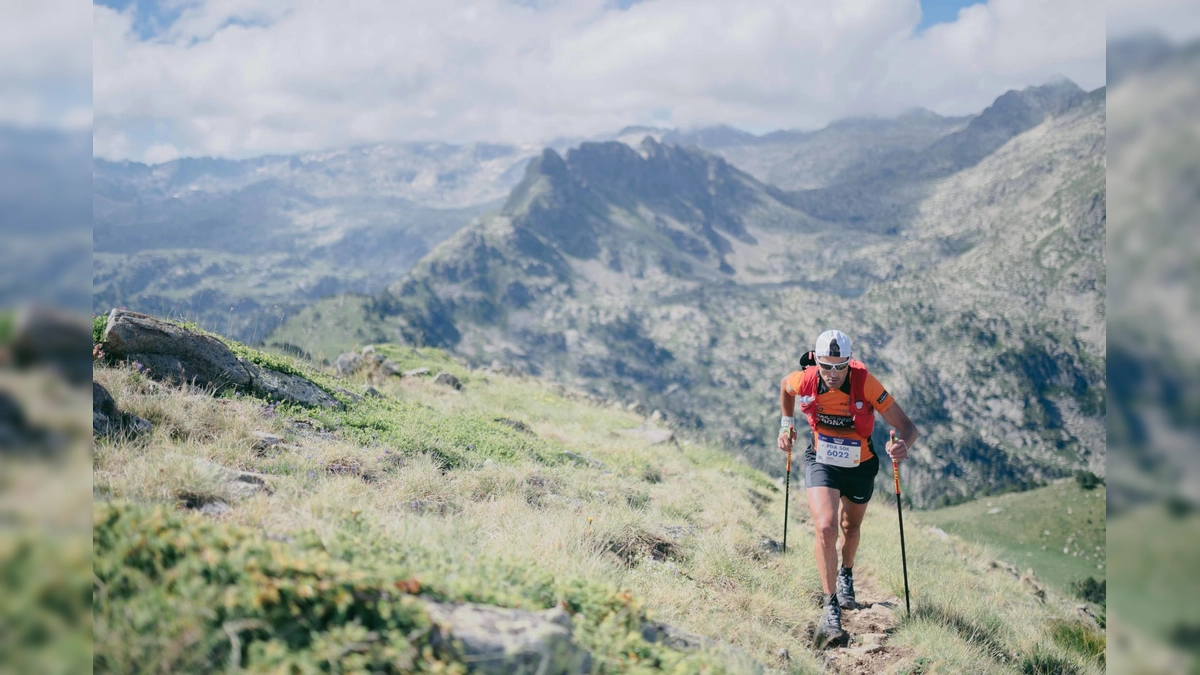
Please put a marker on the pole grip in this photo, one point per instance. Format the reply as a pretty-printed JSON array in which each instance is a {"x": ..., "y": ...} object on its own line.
[{"x": 896, "y": 475}]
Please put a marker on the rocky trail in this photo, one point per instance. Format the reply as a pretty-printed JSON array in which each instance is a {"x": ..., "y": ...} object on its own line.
[{"x": 869, "y": 627}]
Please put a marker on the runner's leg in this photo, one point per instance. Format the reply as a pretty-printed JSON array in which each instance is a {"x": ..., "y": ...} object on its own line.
[
  {"x": 852, "y": 517},
  {"x": 823, "y": 503}
]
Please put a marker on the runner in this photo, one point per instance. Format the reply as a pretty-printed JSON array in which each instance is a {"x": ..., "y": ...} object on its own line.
[{"x": 839, "y": 398}]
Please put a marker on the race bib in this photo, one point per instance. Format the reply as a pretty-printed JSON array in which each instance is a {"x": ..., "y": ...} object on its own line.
[{"x": 837, "y": 451}]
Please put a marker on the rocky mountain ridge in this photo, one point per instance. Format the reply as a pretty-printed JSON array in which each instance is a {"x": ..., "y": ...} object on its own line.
[{"x": 667, "y": 276}]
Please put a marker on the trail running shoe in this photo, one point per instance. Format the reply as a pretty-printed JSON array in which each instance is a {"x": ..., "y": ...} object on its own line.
[
  {"x": 829, "y": 629},
  {"x": 845, "y": 589}
]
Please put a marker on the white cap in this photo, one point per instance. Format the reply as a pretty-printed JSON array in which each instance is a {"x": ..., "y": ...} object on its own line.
[{"x": 833, "y": 343}]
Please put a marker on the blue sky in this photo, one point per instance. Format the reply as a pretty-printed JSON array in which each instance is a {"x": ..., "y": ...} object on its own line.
[
  {"x": 240, "y": 78},
  {"x": 940, "y": 11}
]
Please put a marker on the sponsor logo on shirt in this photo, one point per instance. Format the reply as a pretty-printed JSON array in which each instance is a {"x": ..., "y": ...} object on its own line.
[
  {"x": 882, "y": 398},
  {"x": 838, "y": 421}
]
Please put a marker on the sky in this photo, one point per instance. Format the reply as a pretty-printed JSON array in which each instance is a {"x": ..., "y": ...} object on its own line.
[{"x": 241, "y": 78}]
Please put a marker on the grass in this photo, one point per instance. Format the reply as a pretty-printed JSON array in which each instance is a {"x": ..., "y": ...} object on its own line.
[
  {"x": 1074, "y": 548},
  {"x": 424, "y": 492}
]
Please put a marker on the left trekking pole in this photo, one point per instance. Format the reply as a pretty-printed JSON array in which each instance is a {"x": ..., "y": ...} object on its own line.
[
  {"x": 900, "y": 514},
  {"x": 786, "y": 493}
]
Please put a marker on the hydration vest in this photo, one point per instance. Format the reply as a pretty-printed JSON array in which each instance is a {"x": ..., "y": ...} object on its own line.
[{"x": 861, "y": 409}]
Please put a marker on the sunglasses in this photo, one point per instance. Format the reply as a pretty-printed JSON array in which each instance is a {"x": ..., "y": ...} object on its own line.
[{"x": 836, "y": 367}]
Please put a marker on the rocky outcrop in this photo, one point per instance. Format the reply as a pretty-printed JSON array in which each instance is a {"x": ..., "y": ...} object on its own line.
[
  {"x": 500, "y": 640},
  {"x": 175, "y": 354},
  {"x": 448, "y": 380},
  {"x": 108, "y": 422}
]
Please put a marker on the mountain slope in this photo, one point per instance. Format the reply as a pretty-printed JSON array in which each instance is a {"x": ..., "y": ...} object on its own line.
[
  {"x": 237, "y": 245},
  {"x": 343, "y": 535},
  {"x": 667, "y": 277}
]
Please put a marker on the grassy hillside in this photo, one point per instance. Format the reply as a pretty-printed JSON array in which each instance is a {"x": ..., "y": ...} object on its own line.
[
  {"x": 1058, "y": 530},
  {"x": 506, "y": 493}
]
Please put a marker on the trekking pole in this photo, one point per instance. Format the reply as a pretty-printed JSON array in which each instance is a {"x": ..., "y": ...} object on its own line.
[
  {"x": 900, "y": 514},
  {"x": 786, "y": 493}
]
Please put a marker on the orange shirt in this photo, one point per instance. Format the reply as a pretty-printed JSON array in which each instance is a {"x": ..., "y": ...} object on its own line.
[{"x": 833, "y": 407}]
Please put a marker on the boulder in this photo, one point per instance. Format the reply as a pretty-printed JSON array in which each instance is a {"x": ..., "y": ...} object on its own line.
[
  {"x": 108, "y": 422},
  {"x": 348, "y": 364},
  {"x": 388, "y": 368},
  {"x": 500, "y": 640},
  {"x": 178, "y": 355},
  {"x": 372, "y": 392},
  {"x": 45, "y": 336},
  {"x": 171, "y": 352},
  {"x": 415, "y": 372},
  {"x": 348, "y": 394},
  {"x": 287, "y": 387},
  {"x": 448, "y": 380}
]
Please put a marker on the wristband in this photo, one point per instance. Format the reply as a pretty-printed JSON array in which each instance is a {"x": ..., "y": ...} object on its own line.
[{"x": 786, "y": 423}]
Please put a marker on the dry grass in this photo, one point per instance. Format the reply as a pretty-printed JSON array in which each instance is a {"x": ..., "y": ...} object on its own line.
[{"x": 679, "y": 525}]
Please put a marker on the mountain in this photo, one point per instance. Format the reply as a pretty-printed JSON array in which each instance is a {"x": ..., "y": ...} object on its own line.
[
  {"x": 666, "y": 276},
  {"x": 236, "y": 245}
]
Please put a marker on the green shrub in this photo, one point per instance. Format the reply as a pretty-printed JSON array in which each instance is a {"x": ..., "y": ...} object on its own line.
[
  {"x": 1042, "y": 662},
  {"x": 99, "y": 323},
  {"x": 1088, "y": 480},
  {"x": 1090, "y": 590}
]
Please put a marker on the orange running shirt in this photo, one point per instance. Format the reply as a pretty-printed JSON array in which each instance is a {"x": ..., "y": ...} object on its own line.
[{"x": 834, "y": 406}]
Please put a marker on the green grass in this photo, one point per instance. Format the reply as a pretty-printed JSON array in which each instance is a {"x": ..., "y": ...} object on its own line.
[
  {"x": 425, "y": 489},
  {"x": 1153, "y": 569},
  {"x": 1017, "y": 532}
]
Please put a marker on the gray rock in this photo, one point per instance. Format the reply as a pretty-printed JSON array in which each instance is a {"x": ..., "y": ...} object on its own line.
[
  {"x": 388, "y": 368},
  {"x": 286, "y": 387},
  {"x": 448, "y": 380},
  {"x": 502, "y": 641},
  {"x": 770, "y": 545},
  {"x": 109, "y": 422},
  {"x": 938, "y": 532},
  {"x": 45, "y": 336},
  {"x": 173, "y": 353},
  {"x": 215, "y": 508},
  {"x": 516, "y": 424},
  {"x": 348, "y": 364},
  {"x": 650, "y": 434},
  {"x": 348, "y": 394},
  {"x": 264, "y": 441},
  {"x": 415, "y": 372},
  {"x": 582, "y": 460},
  {"x": 372, "y": 392},
  {"x": 674, "y": 637},
  {"x": 369, "y": 349}
]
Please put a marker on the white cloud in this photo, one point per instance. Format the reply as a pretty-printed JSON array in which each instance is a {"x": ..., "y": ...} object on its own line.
[
  {"x": 246, "y": 77},
  {"x": 45, "y": 63}
]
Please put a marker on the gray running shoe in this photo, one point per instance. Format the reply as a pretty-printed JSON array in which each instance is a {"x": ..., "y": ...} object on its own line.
[
  {"x": 845, "y": 589},
  {"x": 829, "y": 629}
]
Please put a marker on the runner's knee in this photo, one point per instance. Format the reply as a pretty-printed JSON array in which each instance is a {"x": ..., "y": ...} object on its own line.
[{"x": 826, "y": 528}]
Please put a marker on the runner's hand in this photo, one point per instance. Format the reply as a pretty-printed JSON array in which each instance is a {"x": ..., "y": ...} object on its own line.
[
  {"x": 897, "y": 449},
  {"x": 786, "y": 438}
]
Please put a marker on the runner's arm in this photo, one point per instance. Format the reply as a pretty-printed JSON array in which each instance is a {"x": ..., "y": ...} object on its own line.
[
  {"x": 787, "y": 405},
  {"x": 905, "y": 429}
]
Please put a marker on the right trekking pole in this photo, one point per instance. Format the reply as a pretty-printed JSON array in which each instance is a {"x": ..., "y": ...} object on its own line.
[{"x": 900, "y": 515}]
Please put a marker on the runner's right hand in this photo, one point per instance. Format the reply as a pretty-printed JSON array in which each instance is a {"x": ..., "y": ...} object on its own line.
[{"x": 786, "y": 438}]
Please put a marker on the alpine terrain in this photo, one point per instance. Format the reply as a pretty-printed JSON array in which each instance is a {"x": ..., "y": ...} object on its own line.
[{"x": 968, "y": 268}]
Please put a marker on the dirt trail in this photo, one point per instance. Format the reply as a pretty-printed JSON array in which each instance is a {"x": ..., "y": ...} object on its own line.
[{"x": 869, "y": 627}]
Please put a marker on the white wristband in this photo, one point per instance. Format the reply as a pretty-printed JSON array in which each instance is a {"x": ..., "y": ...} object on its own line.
[{"x": 786, "y": 423}]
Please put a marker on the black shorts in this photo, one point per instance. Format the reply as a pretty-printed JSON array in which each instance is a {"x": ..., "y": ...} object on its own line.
[{"x": 856, "y": 484}]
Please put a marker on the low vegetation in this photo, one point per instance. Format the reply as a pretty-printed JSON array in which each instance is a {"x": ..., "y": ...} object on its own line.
[{"x": 504, "y": 493}]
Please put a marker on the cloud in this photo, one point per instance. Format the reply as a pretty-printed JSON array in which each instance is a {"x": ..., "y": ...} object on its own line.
[
  {"x": 45, "y": 64},
  {"x": 239, "y": 78}
]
